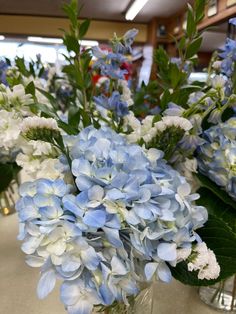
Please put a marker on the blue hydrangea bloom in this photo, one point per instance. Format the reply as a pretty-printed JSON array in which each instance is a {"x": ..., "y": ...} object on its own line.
[
  {"x": 217, "y": 156},
  {"x": 122, "y": 221}
]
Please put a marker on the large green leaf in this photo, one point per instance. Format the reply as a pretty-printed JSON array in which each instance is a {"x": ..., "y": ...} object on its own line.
[
  {"x": 215, "y": 206},
  {"x": 221, "y": 194},
  {"x": 219, "y": 238}
]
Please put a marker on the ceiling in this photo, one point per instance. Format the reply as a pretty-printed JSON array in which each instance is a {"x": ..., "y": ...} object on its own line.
[{"x": 95, "y": 9}]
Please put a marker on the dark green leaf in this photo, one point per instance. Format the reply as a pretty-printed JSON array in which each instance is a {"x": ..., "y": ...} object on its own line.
[
  {"x": 83, "y": 28},
  {"x": 30, "y": 88},
  {"x": 210, "y": 185},
  {"x": 193, "y": 48},
  {"x": 74, "y": 117},
  {"x": 71, "y": 43},
  {"x": 191, "y": 25},
  {"x": 216, "y": 207}
]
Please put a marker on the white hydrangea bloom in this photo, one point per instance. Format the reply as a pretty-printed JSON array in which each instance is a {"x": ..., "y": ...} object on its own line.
[
  {"x": 10, "y": 127},
  {"x": 204, "y": 261}
]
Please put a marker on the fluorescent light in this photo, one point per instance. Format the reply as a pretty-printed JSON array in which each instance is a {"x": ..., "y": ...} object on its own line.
[
  {"x": 90, "y": 43},
  {"x": 134, "y": 9},
  {"x": 45, "y": 40},
  {"x": 2, "y": 37}
]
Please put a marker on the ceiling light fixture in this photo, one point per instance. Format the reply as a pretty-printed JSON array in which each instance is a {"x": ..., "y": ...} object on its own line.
[
  {"x": 134, "y": 9},
  {"x": 45, "y": 40},
  {"x": 2, "y": 37},
  {"x": 89, "y": 43}
]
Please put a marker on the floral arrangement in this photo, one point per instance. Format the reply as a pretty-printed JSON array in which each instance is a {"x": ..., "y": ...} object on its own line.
[{"x": 111, "y": 199}]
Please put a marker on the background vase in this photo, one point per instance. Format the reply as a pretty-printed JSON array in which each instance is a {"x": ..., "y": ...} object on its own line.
[
  {"x": 221, "y": 296},
  {"x": 8, "y": 198}
]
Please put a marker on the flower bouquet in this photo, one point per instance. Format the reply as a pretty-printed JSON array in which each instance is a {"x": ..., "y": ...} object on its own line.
[{"x": 115, "y": 207}]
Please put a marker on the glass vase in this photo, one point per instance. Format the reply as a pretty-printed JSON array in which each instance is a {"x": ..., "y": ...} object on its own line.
[
  {"x": 221, "y": 296},
  {"x": 142, "y": 304},
  {"x": 8, "y": 198}
]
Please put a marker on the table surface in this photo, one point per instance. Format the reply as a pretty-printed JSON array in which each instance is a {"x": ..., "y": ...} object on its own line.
[{"x": 18, "y": 284}]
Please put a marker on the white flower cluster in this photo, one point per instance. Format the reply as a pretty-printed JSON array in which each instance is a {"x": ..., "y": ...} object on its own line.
[
  {"x": 146, "y": 130},
  {"x": 10, "y": 127},
  {"x": 38, "y": 122},
  {"x": 204, "y": 261},
  {"x": 39, "y": 160},
  {"x": 126, "y": 92},
  {"x": 15, "y": 98}
]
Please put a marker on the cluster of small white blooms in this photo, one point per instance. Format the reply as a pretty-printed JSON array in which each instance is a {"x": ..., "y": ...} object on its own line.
[
  {"x": 170, "y": 121},
  {"x": 10, "y": 128},
  {"x": 38, "y": 122},
  {"x": 37, "y": 160},
  {"x": 204, "y": 261},
  {"x": 147, "y": 130},
  {"x": 183, "y": 254},
  {"x": 126, "y": 92}
]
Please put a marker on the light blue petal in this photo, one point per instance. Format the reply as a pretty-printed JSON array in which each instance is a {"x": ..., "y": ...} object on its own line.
[
  {"x": 150, "y": 269},
  {"x": 69, "y": 203},
  {"x": 114, "y": 194},
  {"x": 113, "y": 237},
  {"x": 164, "y": 273},
  {"x": 95, "y": 193},
  {"x": 90, "y": 258},
  {"x": 46, "y": 283},
  {"x": 107, "y": 296},
  {"x": 60, "y": 188},
  {"x": 167, "y": 251},
  {"x": 81, "y": 307},
  {"x": 69, "y": 292},
  {"x": 83, "y": 182},
  {"x": 118, "y": 267},
  {"x": 81, "y": 166},
  {"x": 44, "y": 186},
  {"x": 95, "y": 218}
]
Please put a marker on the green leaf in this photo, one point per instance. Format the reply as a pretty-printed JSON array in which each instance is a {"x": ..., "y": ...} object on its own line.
[
  {"x": 221, "y": 194},
  {"x": 191, "y": 25},
  {"x": 43, "y": 109},
  {"x": 219, "y": 238},
  {"x": 30, "y": 88},
  {"x": 71, "y": 43},
  {"x": 194, "y": 47},
  {"x": 67, "y": 128},
  {"x": 199, "y": 8},
  {"x": 83, "y": 28},
  {"x": 49, "y": 96},
  {"x": 216, "y": 207},
  {"x": 74, "y": 117}
]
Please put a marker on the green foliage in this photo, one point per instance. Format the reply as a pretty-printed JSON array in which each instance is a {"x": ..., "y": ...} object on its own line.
[
  {"x": 173, "y": 76},
  {"x": 216, "y": 190},
  {"x": 8, "y": 172}
]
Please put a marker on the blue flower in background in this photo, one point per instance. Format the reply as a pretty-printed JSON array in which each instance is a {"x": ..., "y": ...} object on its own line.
[
  {"x": 217, "y": 156},
  {"x": 113, "y": 103}
]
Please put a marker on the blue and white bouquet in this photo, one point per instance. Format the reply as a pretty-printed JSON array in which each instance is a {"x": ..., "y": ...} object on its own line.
[{"x": 112, "y": 212}]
